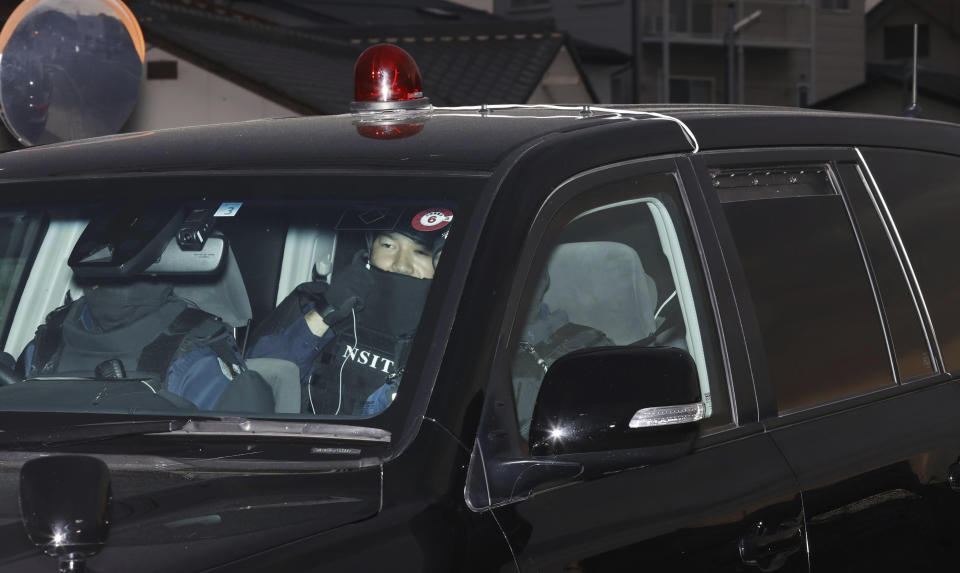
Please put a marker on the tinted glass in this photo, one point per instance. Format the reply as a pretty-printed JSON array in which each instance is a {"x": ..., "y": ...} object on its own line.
[
  {"x": 906, "y": 332},
  {"x": 816, "y": 309},
  {"x": 296, "y": 307},
  {"x": 621, "y": 272},
  {"x": 19, "y": 237},
  {"x": 923, "y": 194}
]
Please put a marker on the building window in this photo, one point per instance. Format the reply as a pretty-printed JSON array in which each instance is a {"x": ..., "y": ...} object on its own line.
[
  {"x": 529, "y": 3},
  {"x": 898, "y": 42},
  {"x": 691, "y": 16},
  {"x": 691, "y": 90},
  {"x": 835, "y": 4},
  {"x": 686, "y": 17}
]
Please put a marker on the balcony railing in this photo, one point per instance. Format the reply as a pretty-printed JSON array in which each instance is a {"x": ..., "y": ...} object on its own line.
[{"x": 783, "y": 22}]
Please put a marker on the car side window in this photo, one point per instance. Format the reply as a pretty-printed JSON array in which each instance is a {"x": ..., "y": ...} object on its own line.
[
  {"x": 621, "y": 271},
  {"x": 820, "y": 326},
  {"x": 20, "y": 235},
  {"x": 922, "y": 194}
]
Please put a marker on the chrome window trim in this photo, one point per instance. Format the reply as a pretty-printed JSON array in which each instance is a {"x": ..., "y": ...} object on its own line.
[{"x": 903, "y": 257}]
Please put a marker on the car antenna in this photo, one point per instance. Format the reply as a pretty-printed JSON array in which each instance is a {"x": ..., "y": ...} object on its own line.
[{"x": 913, "y": 110}]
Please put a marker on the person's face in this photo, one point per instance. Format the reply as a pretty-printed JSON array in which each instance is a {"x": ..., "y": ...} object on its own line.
[{"x": 395, "y": 253}]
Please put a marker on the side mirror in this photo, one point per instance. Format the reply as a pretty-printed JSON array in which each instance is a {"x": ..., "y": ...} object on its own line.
[
  {"x": 599, "y": 410},
  {"x": 643, "y": 403}
]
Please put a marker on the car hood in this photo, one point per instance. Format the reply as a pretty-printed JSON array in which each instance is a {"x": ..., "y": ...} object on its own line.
[{"x": 167, "y": 517}]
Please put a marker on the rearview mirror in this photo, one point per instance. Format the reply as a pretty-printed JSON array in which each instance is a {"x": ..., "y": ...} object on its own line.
[{"x": 618, "y": 398}]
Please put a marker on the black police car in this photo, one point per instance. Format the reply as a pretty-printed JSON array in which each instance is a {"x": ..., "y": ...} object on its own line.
[{"x": 658, "y": 338}]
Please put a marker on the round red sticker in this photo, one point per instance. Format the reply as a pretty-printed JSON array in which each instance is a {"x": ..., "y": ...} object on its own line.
[{"x": 432, "y": 219}]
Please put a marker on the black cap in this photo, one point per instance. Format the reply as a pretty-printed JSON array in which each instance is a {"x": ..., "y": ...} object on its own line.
[{"x": 428, "y": 226}]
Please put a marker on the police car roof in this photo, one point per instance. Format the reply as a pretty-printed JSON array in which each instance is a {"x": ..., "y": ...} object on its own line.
[{"x": 457, "y": 139}]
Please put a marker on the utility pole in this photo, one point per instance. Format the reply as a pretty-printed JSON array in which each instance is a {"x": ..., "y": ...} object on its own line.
[
  {"x": 734, "y": 92},
  {"x": 731, "y": 52},
  {"x": 636, "y": 48},
  {"x": 666, "y": 50}
]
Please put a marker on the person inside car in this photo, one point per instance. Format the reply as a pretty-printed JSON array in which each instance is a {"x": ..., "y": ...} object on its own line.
[
  {"x": 547, "y": 335},
  {"x": 139, "y": 329},
  {"x": 351, "y": 337}
]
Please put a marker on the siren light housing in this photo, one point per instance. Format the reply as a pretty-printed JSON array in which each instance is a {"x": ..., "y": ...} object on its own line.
[{"x": 387, "y": 78}]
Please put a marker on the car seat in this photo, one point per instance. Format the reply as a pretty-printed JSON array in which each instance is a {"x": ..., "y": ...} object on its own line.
[
  {"x": 306, "y": 243},
  {"x": 225, "y": 296},
  {"x": 602, "y": 284}
]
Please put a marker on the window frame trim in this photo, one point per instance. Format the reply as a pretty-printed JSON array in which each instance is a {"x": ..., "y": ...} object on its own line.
[
  {"x": 498, "y": 425},
  {"x": 579, "y": 185},
  {"x": 763, "y": 384},
  {"x": 903, "y": 259},
  {"x": 539, "y": 235}
]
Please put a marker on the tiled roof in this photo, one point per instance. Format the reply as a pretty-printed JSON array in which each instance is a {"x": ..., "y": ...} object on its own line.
[
  {"x": 386, "y": 12},
  {"x": 311, "y": 69}
]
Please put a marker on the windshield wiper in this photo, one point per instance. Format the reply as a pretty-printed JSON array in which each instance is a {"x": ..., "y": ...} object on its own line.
[
  {"x": 245, "y": 427},
  {"x": 226, "y": 426},
  {"x": 79, "y": 433}
]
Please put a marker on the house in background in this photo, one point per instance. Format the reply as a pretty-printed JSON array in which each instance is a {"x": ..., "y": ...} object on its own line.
[
  {"x": 890, "y": 34},
  {"x": 795, "y": 53},
  {"x": 887, "y": 89},
  {"x": 213, "y": 61}
]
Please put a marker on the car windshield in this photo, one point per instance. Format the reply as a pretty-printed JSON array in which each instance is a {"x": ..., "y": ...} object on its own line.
[{"x": 305, "y": 307}]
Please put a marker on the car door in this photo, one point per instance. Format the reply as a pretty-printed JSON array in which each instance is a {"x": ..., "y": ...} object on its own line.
[
  {"x": 625, "y": 256},
  {"x": 854, "y": 390}
]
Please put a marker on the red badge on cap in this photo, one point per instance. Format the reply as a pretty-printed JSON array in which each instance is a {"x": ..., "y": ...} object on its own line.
[{"x": 432, "y": 219}]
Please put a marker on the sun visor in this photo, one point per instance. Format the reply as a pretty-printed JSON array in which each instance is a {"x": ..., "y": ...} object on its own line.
[{"x": 148, "y": 240}]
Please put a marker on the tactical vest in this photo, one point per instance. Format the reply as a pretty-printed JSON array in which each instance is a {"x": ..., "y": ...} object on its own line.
[
  {"x": 147, "y": 347},
  {"x": 352, "y": 366},
  {"x": 367, "y": 359}
]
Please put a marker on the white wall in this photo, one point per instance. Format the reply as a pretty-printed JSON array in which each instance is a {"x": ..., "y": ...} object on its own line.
[
  {"x": 561, "y": 83},
  {"x": 485, "y": 5},
  {"x": 196, "y": 97}
]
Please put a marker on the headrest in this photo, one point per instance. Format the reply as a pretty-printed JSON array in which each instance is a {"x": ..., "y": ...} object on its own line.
[
  {"x": 307, "y": 249},
  {"x": 323, "y": 248},
  {"x": 602, "y": 284},
  {"x": 224, "y": 296}
]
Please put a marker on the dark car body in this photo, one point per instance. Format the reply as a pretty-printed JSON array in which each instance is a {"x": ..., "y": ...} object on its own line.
[{"x": 828, "y": 322}]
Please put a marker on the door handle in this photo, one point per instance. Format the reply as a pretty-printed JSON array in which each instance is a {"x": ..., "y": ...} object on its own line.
[{"x": 767, "y": 547}]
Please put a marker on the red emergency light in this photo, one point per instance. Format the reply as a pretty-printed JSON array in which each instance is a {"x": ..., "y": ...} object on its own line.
[
  {"x": 386, "y": 78},
  {"x": 388, "y": 91}
]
